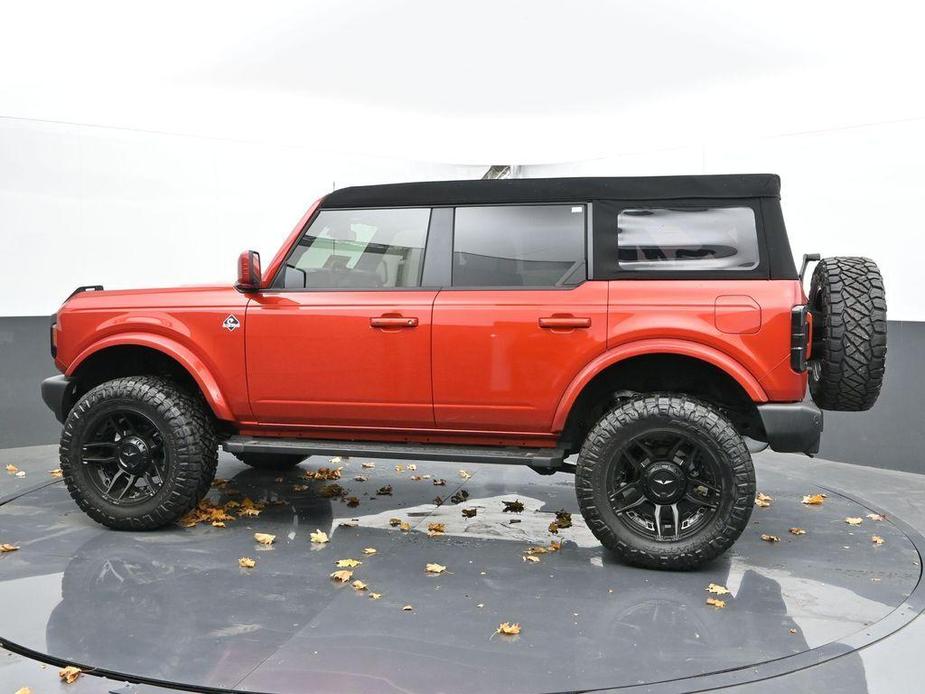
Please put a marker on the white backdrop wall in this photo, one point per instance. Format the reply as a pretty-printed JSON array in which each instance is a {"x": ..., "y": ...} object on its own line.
[
  {"x": 850, "y": 191},
  {"x": 122, "y": 208}
]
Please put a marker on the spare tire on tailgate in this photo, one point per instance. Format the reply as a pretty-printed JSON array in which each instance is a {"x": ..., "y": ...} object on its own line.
[{"x": 848, "y": 304}]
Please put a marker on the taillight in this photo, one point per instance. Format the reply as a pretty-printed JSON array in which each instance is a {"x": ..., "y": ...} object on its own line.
[
  {"x": 800, "y": 330},
  {"x": 53, "y": 338}
]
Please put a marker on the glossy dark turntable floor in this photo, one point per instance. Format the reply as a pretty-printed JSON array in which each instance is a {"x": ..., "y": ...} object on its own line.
[{"x": 174, "y": 605}]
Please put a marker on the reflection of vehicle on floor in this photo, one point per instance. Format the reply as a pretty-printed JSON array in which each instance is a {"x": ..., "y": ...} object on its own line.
[{"x": 647, "y": 324}]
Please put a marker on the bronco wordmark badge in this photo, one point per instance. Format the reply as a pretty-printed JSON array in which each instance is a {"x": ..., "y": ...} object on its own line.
[{"x": 231, "y": 323}]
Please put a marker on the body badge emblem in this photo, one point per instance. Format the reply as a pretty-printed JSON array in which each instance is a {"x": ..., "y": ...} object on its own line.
[{"x": 231, "y": 323}]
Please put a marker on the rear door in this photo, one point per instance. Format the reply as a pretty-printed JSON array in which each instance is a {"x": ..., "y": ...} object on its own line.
[
  {"x": 343, "y": 339},
  {"x": 518, "y": 321}
]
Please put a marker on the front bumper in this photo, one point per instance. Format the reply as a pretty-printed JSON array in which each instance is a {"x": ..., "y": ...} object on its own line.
[
  {"x": 58, "y": 394},
  {"x": 792, "y": 427}
]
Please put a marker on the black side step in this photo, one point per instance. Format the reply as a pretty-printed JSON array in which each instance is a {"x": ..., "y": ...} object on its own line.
[{"x": 533, "y": 457}]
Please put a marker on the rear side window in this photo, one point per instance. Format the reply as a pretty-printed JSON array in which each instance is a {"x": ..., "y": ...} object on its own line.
[
  {"x": 519, "y": 246},
  {"x": 360, "y": 249},
  {"x": 706, "y": 238}
]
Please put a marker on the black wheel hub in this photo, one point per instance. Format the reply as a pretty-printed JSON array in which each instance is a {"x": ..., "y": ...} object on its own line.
[
  {"x": 134, "y": 454},
  {"x": 664, "y": 482},
  {"x": 124, "y": 456},
  {"x": 665, "y": 485}
]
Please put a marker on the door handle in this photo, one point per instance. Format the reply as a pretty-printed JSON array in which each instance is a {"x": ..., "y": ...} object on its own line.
[
  {"x": 564, "y": 322},
  {"x": 393, "y": 322}
]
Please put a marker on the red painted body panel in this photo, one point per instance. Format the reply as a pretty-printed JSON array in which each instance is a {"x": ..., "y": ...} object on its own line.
[
  {"x": 496, "y": 368},
  {"x": 184, "y": 323},
  {"x": 313, "y": 357}
]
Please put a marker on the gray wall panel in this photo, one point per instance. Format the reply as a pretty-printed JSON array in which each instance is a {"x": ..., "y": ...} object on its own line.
[
  {"x": 24, "y": 362},
  {"x": 890, "y": 436}
]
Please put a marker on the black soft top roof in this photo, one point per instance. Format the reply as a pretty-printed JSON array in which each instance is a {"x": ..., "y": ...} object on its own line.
[{"x": 513, "y": 190}]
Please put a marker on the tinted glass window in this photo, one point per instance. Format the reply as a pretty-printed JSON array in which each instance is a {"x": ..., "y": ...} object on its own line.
[
  {"x": 519, "y": 246},
  {"x": 708, "y": 238},
  {"x": 360, "y": 249}
]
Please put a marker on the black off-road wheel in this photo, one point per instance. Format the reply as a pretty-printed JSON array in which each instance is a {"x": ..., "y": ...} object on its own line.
[
  {"x": 270, "y": 461},
  {"x": 848, "y": 358},
  {"x": 665, "y": 482},
  {"x": 138, "y": 453}
]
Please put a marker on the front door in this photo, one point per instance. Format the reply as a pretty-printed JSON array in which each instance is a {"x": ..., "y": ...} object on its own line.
[{"x": 343, "y": 338}]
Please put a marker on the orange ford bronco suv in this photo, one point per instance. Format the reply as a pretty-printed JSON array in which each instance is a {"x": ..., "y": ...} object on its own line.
[{"x": 651, "y": 326}]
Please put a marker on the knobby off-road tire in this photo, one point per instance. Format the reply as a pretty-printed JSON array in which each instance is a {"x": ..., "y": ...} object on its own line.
[
  {"x": 270, "y": 461},
  {"x": 848, "y": 304},
  {"x": 185, "y": 439},
  {"x": 607, "y": 445}
]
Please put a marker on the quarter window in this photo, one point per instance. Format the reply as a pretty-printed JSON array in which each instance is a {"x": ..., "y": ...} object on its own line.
[
  {"x": 360, "y": 249},
  {"x": 706, "y": 238},
  {"x": 519, "y": 246}
]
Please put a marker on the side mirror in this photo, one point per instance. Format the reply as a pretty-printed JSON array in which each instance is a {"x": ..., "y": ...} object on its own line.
[{"x": 248, "y": 272}]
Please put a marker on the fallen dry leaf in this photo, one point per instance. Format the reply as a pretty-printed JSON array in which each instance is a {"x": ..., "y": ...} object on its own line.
[
  {"x": 218, "y": 524},
  {"x": 792, "y": 631},
  {"x": 369, "y": 466},
  {"x": 246, "y": 563},
  {"x": 12, "y": 469},
  {"x": 342, "y": 576},
  {"x": 394, "y": 522},
  {"x": 876, "y": 516},
  {"x": 877, "y": 540},
  {"x": 438, "y": 501},
  {"x": 515, "y": 506},
  {"x": 338, "y": 460},
  {"x": 763, "y": 500},
  {"x": 385, "y": 491},
  {"x": 465, "y": 474},
  {"x": 717, "y": 589},
  {"x": 56, "y": 472},
  {"x": 375, "y": 596},
  {"x": 435, "y": 568},
  {"x": 459, "y": 496},
  {"x": 813, "y": 499},
  {"x": 24, "y": 690},
  {"x": 797, "y": 531},
  {"x": 412, "y": 467},
  {"x": 347, "y": 563},
  {"x": 716, "y": 602},
  {"x": 770, "y": 538},
  {"x": 332, "y": 491},
  {"x": 854, "y": 520},
  {"x": 319, "y": 537},
  {"x": 399, "y": 468},
  {"x": 265, "y": 538},
  {"x": 531, "y": 558},
  {"x": 563, "y": 519},
  {"x": 299, "y": 487},
  {"x": 249, "y": 512},
  {"x": 21, "y": 474},
  {"x": 369, "y": 550},
  {"x": 554, "y": 528},
  {"x": 407, "y": 608},
  {"x": 404, "y": 526},
  {"x": 360, "y": 478},
  {"x": 352, "y": 501},
  {"x": 508, "y": 629},
  {"x": 69, "y": 674},
  {"x": 436, "y": 528},
  {"x": 469, "y": 512},
  {"x": 439, "y": 483},
  {"x": 6, "y": 547},
  {"x": 324, "y": 473},
  {"x": 358, "y": 585}
]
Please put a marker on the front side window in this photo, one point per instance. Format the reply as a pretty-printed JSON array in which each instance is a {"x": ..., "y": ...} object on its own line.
[
  {"x": 706, "y": 238},
  {"x": 519, "y": 246},
  {"x": 360, "y": 249}
]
